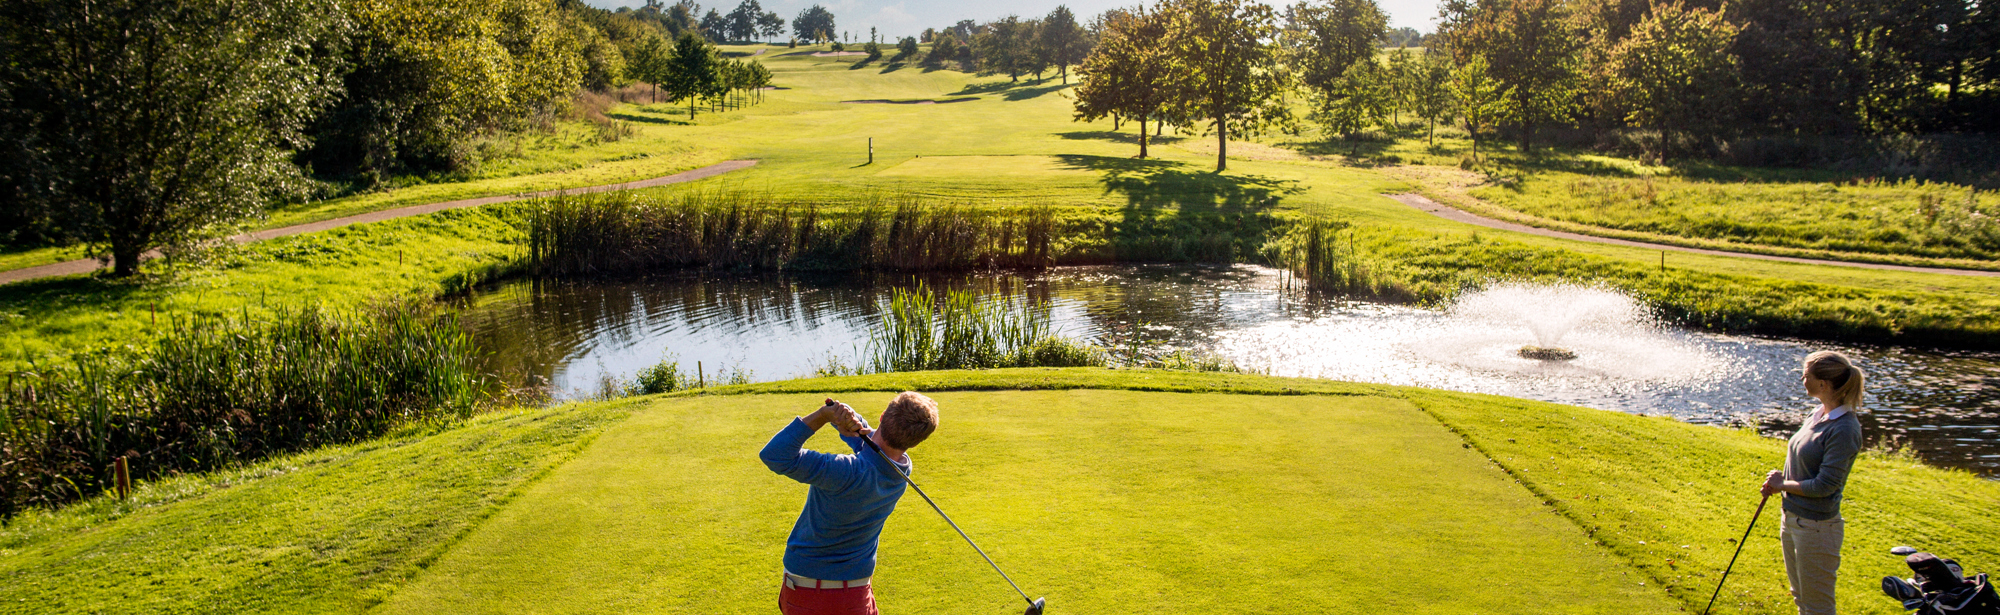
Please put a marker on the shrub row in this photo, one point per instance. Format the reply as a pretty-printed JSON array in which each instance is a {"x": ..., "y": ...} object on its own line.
[{"x": 213, "y": 392}]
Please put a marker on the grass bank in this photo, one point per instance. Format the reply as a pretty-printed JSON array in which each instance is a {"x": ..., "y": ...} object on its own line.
[{"x": 1107, "y": 490}]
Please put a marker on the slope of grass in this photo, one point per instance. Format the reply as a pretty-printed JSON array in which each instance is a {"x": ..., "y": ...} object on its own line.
[
  {"x": 333, "y": 530},
  {"x": 1106, "y": 490}
]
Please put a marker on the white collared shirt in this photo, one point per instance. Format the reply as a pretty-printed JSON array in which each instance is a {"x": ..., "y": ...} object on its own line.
[{"x": 1829, "y": 414}]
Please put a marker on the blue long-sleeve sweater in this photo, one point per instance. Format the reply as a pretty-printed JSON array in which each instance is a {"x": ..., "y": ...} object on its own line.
[{"x": 851, "y": 497}]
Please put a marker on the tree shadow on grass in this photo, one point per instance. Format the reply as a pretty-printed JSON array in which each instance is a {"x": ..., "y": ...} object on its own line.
[
  {"x": 647, "y": 119},
  {"x": 1131, "y": 138},
  {"x": 1015, "y": 90},
  {"x": 1174, "y": 212},
  {"x": 1150, "y": 185}
]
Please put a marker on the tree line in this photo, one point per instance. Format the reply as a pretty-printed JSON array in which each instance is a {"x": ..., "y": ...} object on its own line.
[
  {"x": 1012, "y": 46},
  {"x": 127, "y": 125},
  {"x": 1695, "y": 73}
]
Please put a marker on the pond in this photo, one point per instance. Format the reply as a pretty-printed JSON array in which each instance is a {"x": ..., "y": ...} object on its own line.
[{"x": 575, "y": 335}]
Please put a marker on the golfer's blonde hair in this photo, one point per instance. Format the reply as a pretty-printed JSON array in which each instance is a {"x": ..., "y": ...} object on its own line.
[
  {"x": 1837, "y": 370},
  {"x": 910, "y": 419}
]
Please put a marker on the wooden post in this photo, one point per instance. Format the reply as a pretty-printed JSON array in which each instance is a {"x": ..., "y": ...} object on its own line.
[
  {"x": 1663, "y": 260},
  {"x": 871, "y": 150},
  {"x": 700, "y": 379},
  {"x": 124, "y": 478}
]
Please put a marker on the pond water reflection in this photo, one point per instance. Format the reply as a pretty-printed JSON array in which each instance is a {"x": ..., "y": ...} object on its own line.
[{"x": 575, "y": 335}]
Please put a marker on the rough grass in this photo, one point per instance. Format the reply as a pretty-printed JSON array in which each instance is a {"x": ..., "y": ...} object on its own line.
[
  {"x": 333, "y": 530},
  {"x": 1108, "y": 490},
  {"x": 1910, "y": 218}
]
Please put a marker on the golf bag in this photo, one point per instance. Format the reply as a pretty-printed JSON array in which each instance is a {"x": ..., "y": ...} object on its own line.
[{"x": 1939, "y": 587}]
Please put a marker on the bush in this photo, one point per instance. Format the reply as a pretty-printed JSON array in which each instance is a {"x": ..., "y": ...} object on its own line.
[{"x": 214, "y": 392}]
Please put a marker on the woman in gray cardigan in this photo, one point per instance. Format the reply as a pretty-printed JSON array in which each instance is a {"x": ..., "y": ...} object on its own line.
[{"x": 1816, "y": 464}]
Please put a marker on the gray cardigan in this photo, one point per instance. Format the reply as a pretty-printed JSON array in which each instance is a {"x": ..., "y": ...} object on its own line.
[{"x": 1819, "y": 458}]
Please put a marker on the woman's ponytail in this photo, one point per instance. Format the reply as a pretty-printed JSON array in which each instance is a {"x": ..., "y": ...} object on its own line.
[{"x": 1839, "y": 372}]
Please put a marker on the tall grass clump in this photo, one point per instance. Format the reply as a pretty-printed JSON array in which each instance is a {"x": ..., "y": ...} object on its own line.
[
  {"x": 1323, "y": 254},
  {"x": 215, "y": 391},
  {"x": 922, "y": 330},
  {"x": 624, "y": 232}
]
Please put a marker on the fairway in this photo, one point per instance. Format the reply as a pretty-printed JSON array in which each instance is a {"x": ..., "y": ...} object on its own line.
[{"x": 1105, "y": 501}]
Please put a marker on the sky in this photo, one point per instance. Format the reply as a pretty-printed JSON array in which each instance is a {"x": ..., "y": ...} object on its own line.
[{"x": 899, "y": 18}]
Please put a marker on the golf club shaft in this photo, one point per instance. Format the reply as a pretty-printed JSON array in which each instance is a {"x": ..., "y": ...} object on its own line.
[
  {"x": 1739, "y": 551},
  {"x": 947, "y": 518}
]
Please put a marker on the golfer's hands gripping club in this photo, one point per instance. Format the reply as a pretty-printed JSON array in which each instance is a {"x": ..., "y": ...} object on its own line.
[{"x": 844, "y": 419}]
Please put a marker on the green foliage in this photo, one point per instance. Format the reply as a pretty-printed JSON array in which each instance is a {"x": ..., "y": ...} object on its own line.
[
  {"x": 143, "y": 126},
  {"x": 662, "y": 377},
  {"x": 424, "y": 76},
  {"x": 1674, "y": 73},
  {"x": 1478, "y": 98},
  {"x": 814, "y": 25},
  {"x": 214, "y": 392},
  {"x": 1129, "y": 74},
  {"x": 622, "y": 232},
  {"x": 692, "y": 70},
  {"x": 1323, "y": 40},
  {"x": 1430, "y": 92},
  {"x": 906, "y": 48},
  {"x": 923, "y": 331},
  {"x": 1226, "y": 70},
  {"x": 1360, "y": 98},
  {"x": 873, "y": 50},
  {"x": 1062, "y": 40}
]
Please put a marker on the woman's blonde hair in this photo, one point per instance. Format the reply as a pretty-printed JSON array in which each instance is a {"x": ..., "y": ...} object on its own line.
[{"x": 1837, "y": 370}]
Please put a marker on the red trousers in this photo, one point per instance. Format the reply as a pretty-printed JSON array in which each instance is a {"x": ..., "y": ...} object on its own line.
[{"x": 850, "y": 601}]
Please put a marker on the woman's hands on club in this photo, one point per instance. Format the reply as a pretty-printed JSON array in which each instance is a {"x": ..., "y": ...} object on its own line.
[{"x": 1774, "y": 483}]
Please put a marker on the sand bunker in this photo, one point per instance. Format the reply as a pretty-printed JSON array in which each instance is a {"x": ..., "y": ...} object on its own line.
[{"x": 835, "y": 54}]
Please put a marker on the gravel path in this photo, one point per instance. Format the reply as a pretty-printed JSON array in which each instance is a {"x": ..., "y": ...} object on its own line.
[
  {"x": 1458, "y": 215},
  {"x": 88, "y": 265}
]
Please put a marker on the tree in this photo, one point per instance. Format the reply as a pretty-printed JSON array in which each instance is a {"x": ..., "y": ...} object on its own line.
[
  {"x": 146, "y": 127},
  {"x": 742, "y": 22},
  {"x": 714, "y": 26},
  {"x": 1480, "y": 99},
  {"x": 1129, "y": 74},
  {"x": 1355, "y": 102},
  {"x": 814, "y": 24},
  {"x": 1000, "y": 49},
  {"x": 944, "y": 50},
  {"x": 652, "y": 62},
  {"x": 1397, "y": 81},
  {"x": 873, "y": 50},
  {"x": 1674, "y": 73},
  {"x": 1064, "y": 41},
  {"x": 770, "y": 25},
  {"x": 692, "y": 71},
  {"x": 1532, "y": 47},
  {"x": 1225, "y": 67},
  {"x": 906, "y": 48},
  {"x": 1323, "y": 40},
  {"x": 1431, "y": 93}
]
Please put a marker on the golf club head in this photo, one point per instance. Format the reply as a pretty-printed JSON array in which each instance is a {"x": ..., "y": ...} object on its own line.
[
  {"x": 1035, "y": 608},
  {"x": 1904, "y": 550}
]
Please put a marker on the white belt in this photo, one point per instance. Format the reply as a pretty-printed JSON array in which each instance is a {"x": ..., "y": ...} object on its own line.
[{"x": 798, "y": 582}]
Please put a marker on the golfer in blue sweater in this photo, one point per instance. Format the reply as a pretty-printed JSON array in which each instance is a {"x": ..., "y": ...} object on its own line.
[{"x": 830, "y": 556}]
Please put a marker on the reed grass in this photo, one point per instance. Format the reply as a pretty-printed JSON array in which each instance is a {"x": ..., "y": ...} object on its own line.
[
  {"x": 922, "y": 330},
  {"x": 1323, "y": 254},
  {"x": 626, "y": 232},
  {"x": 213, "y": 392}
]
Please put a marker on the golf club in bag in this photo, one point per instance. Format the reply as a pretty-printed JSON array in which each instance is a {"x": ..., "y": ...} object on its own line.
[
  {"x": 1938, "y": 586},
  {"x": 1739, "y": 551},
  {"x": 1035, "y": 605}
]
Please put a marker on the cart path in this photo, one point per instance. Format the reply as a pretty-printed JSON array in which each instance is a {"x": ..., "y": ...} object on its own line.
[
  {"x": 1459, "y": 215},
  {"x": 87, "y": 265}
]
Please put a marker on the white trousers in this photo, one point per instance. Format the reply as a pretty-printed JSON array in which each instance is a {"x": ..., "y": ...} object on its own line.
[{"x": 1812, "y": 561}]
